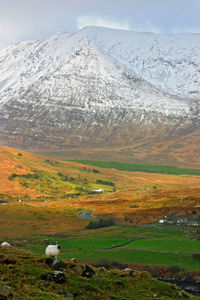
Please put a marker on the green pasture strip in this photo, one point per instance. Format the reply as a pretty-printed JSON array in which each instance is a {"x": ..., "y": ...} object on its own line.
[
  {"x": 148, "y": 258},
  {"x": 78, "y": 247},
  {"x": 110, "y": 236},
  {"x": 167, "y": 244},
  {"x": 140, "y": 167}
]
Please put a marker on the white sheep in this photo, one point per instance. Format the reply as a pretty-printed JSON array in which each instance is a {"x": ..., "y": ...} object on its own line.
[
  {"x": 5, "y": 244},
  {"x": 52, "y": 250},
  {"x": 128, "y": 270}
]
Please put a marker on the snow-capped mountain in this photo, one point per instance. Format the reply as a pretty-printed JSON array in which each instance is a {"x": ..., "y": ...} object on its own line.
[
  {"x": 99, "y": 86},
  {"x": 171, "y": 62}
]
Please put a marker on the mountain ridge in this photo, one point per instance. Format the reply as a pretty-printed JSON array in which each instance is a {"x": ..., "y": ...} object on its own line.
[{"x": 75, "y": 89}]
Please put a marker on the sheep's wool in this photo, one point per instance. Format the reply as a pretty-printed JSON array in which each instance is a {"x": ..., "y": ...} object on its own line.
[
  {"x": 5, "y": 244},
  {"x": 52, "y": 250}
]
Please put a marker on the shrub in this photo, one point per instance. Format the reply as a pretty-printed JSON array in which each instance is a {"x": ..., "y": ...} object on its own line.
[
  {"x": 100, "y": 181},
  {"x": 12, "y": 176},
  {"x": 60, "y": 174},
  {"x": 100, "y": 223},
  {"x": 47, "y": 161},
  {"x": 196, "y": 256},
  {"x": 190, "y": 276},
  {"x": 118, "y": 265},
  {"x": 70, "y": 179},
  {"x": 29, "y": 176},
  {"x": 52, "y": 162},
  {"x": 26, "y": 176},
  {"x": 80, "y": 188},
  {"x": 175, "y": 269},
  {"x": 103, "y": 263},
  {"x": 66, "y": 178},
  {"x": 95, "y": 171},
  {"x": 19, "y": 154},
  {"x": 111, "y": 264},
  {"x": 155, "y": 272}
]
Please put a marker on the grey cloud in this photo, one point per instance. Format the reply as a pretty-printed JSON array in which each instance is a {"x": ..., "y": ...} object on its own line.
[{"x": 35, "y": 19}]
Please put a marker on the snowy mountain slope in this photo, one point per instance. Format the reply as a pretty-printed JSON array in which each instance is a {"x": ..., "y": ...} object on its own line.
[
  {"x": 23, "y": 63},
  {"x": 74, "y": 89},
  {"x": 171, "y": 62}
]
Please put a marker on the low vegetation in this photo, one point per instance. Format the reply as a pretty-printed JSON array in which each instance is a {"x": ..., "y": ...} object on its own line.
[
  {"x": 100, "y": 181},
  {"x": 26, "y": 176},
  {"x": 100, "y": 223},
  {"x": 167, "y": 244},
  {"x": 60, "y": 184},
  {"x": 140, "y": 167},
  {"x": 27, "y": 276}
]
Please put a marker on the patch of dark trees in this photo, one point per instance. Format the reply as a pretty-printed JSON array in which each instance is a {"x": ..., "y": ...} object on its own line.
[{"x": 95, "y": 224}]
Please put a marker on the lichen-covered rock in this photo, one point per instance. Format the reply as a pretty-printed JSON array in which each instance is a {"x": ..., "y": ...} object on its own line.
[
  {"x": 86, "y": 271},
  {"x": 102, "y": 269},
  {"x": 5, "y": 291},
  {"x": 8, "y": 261},
  {"x": 56, "y": 276},
  {"x": 69, "y": 295},
  {"x": 57, "y": 264},
  {"x": 129, "y": 271}
]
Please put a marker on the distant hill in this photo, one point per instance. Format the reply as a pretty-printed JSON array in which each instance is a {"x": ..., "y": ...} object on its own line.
[
  {"x": 135, "y": 94},
  {"x": 30, "y": 180}
]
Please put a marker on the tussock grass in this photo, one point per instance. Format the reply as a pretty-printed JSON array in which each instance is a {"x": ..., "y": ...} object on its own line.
[{"x": 22, "y": 271}]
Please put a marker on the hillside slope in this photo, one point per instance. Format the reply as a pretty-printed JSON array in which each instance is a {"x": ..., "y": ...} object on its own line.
[
  {"x": 168, "y": 61},
  {"x": 41, "y": 191},
  {"x": 27, "y": 276}
]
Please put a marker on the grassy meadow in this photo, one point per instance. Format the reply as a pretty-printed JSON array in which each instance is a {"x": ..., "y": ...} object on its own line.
[
  {"x": 165, "y": 246},
  {"x": 140, "y": 167}
]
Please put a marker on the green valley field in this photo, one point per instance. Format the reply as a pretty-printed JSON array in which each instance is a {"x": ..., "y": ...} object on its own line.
[{"x": 151, "y": 246}]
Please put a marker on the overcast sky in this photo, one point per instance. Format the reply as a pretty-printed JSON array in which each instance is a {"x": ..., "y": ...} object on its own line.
[{"x": 36, "y": 19}]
